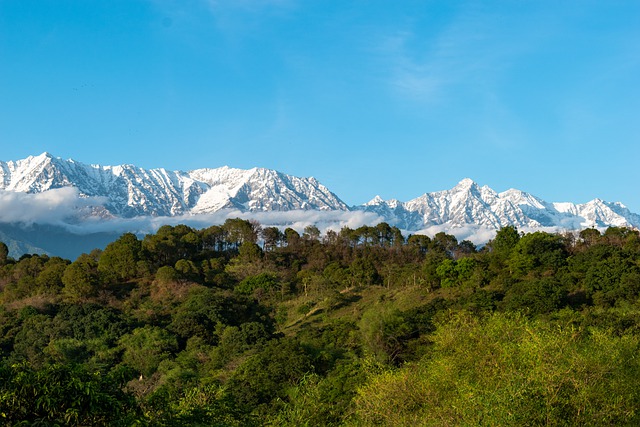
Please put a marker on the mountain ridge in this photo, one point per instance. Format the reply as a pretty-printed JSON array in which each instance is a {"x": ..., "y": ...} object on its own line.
[
  {"x": 128, "y": 191},
  {"x": 468, "y": 203},
  {"x": 133, "y": 191}
]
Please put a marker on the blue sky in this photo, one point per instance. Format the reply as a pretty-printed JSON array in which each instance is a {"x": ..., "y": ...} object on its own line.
[{"x": 395, "y": 98}]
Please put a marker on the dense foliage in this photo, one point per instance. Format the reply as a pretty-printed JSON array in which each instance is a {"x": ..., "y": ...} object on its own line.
[{"x": 239, "y": 325}]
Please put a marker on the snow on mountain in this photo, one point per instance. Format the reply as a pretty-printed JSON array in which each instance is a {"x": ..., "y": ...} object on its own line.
[
  {"x": 260, "y": 189},
  {"x": 598, "y": 213},
  {"x": 128, "y": 191},
  {"x": 132, "y": 191},
  {"x": 468, "y": 204}
]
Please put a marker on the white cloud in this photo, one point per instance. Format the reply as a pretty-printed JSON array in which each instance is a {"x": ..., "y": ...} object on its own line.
[
  {"x": 64, "y": 207},
  {"x": 298, "y": 220},
  {"x": 58, "y": 206},
  {"x": 477, "y": 234}
]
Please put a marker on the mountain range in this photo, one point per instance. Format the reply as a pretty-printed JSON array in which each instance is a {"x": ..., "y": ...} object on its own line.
[
  {"x": 469, "y": 204},
  {"x": 129, "y": 191},
  {"x": 103, "y": 193}
]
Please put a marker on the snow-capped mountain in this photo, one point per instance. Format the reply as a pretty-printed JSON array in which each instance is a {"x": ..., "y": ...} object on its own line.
[
  {"x": 469, "y": 204},
  {"x": 129, "y": 191}
]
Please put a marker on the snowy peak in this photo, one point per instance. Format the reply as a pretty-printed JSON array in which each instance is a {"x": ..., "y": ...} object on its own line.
[
  {"x": 599, "y": 213},
  {"x": 466, "y": 185},
  {"x": 260, "y": 189},
  {"x": 377, "y": 200},
  {"x": 469, "y": 204},
  {"x": 132, "y": 191}
]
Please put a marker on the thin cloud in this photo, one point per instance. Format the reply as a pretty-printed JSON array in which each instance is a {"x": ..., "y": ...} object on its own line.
[
  {"x": 425, "y": 67},
  {"x": 473, "y": 51}
]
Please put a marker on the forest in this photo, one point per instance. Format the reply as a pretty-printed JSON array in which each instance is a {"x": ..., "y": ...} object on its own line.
[{"x": 240, "y": 325}]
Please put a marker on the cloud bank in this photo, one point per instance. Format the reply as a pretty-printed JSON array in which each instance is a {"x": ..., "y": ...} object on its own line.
[
  {"x": 60, "y": 206},
  {"x": 64, "y": 207},
  {"x": 297, "y": 219}
]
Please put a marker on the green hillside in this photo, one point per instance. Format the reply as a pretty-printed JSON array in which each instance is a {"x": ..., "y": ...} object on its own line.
[{"x": 236, "y": 325}]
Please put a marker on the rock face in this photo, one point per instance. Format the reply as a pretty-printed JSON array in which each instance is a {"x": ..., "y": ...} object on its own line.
[
  {"x": 128, "y": 191},
  {"x": 131, "y": 191}
]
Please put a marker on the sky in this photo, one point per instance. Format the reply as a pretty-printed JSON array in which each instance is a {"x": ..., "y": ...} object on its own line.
[{"x": 389, "y": 98}]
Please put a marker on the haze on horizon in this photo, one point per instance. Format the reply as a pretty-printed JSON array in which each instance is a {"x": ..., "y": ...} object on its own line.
[{"x": 368, "y": 97}]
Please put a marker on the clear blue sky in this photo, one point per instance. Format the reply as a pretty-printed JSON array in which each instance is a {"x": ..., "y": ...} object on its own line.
[{"x": 395, "y": 98}]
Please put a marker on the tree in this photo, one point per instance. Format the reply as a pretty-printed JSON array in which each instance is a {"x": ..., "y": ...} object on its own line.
[
  {"x": 420, "y": 241},
  {"x": 589, "y": 236},
  {"x": 445, "y": 243},
  {"x": 239, "y": 231},
  {"x": 505, "y": 240},
  {"x": 447, "y": 273},
  {"x": 384, "y": 332},
  {"x": 501, "y": 246},
  {"x": 80, "y": 278},
  {"x": 397, "y": 239},
  {"x": 537, "y": 296},
  {"x": 248, "y": 262},
  {"x": 610, "y": 275},
  {"x": 467, "y": 247},
  {"x": 49, "y": 280},
  {"x": 146, "y": 347},
  {"x": 363, "y": 272},
  {"x": 120, "y": 257},
  {"x": 311, "y": 233},
  {"x": 213, "y": 238},
  {"x": 385, "y": 234},
  {"x": 292, "y": 237},
  {"x": 187, "y": 270},
  {"x": 162, "y": 246},
  {"x": 267, "y": 282},
  {"x": 272, "y": 237},
  {"x": 4, "y": 254},
  {"x": 267, "y": 374},
  {"x": 166, "y": 275},
  {"x": 619, "y": 235},
  {"x": 537, "y": 252},
  {"x": 170, "y": 244}
]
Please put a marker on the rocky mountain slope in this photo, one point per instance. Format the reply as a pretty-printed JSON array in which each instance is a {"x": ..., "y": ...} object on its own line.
[
  {"x": 128, "y": 191},
  {"x": 467, "y": 203}
]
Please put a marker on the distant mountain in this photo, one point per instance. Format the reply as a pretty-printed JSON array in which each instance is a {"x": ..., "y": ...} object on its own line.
[
  {"x": 130, "y": 191},
  {"x": 51, "y": 240},
  {"x": 469, "y": 204},
  {"x": 125, "y": 192}
]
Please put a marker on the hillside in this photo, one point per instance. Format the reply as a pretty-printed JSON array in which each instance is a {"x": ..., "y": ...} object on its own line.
[{"x": 362, "y": 327}]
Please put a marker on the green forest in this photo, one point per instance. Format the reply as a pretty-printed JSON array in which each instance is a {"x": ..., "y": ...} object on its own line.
[{"x": 243, "y": 325}]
